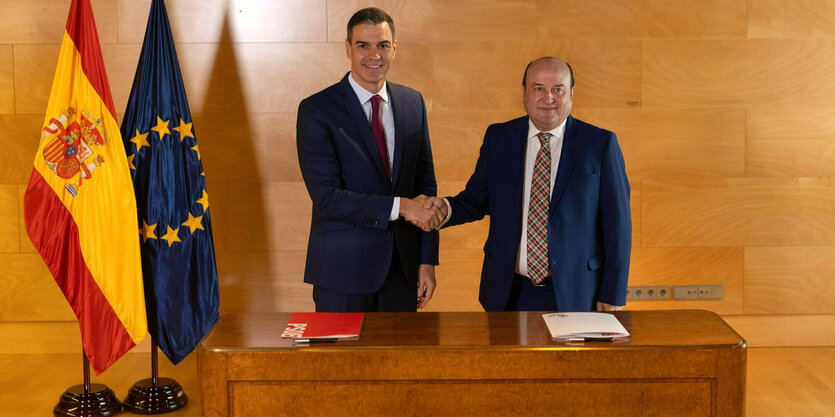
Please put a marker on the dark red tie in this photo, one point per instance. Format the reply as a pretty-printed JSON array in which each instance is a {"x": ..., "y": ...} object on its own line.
[{"x": 379, "y": 134}]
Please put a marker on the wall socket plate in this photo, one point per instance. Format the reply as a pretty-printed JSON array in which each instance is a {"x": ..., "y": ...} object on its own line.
[
  {"x": 648, "y": 293},
  {"x": 698, "y": 292}
]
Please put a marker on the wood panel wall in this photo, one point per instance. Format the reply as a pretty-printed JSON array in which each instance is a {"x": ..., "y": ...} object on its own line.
[{"x": 723, "y": 109}]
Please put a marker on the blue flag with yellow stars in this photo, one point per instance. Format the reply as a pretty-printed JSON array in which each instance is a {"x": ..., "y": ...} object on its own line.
[{"x": 175, "y": 230}]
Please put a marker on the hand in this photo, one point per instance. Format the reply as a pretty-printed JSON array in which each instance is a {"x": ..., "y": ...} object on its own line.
[
  {"x": 601, "y": 306},
  {"x": 426, "y": 284},
  {"x": 438, "y": 203},
  {"x": 426, "y": 218}
]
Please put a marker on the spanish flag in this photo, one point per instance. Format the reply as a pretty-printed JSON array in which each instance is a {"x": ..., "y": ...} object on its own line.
[{"x": 79, "y": 207}]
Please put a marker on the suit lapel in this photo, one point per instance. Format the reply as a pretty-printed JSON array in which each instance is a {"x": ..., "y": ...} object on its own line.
[
  {"x": 568, "y": 156},
  {"x": 363, "y": 127},
  {"x": 518, "y": 148},
  {"x": 399, "y": 132}
]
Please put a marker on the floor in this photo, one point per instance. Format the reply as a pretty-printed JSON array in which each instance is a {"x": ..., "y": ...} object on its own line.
[{"x": 781, "y": 381}]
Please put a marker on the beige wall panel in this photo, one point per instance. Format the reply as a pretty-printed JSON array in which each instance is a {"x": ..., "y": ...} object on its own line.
[
  {"x": 263, "y": 281},
  {"x": 33, "y": 71},
  {"x": 199, "y": 78},
  {"x": 778, "y": 18},
  {"x": 40, "y": 337},
  {"x": 276, "y": 77},
  {"x": 738, "y": 212},
  {"x": 6, "y": 79},
  {"x": 9, "y": 223},
  {"x": 241, "y": 20},
  {"x": 249, "y": 146},
  {"x": 443, "y": 20},
  {"x": 689, "y": 266},
  {"x": 790, "y": 142},
  {"x": 272, "y": 216},
  {"x": 465, "y": 236},
  {"x": 19, "y": 138},
  {"x": 785, "y": 330},
  {"x": 26, "y": 245},
  {"x": 635, "y": 209},
  {"x": 789, "y": 280},
  {"x": 28, "y": 292},
  {"x": 560, "y": 19},
  {"x": 472, "y": 76},
  {"x": 733, "y": 73},
  {"x": 457, "y": 278},
  {"x": 676, "y": 143},
  {"x": 44, "y": 21},
  {"x": 457, "y": 138}
]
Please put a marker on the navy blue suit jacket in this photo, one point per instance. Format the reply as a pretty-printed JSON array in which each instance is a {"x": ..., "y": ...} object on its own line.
[
  {"x": 351, "y": 238},
  {"x": 589, "y": 223}
]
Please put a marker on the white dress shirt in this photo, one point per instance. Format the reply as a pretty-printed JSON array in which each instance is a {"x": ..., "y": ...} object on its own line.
[
  {"x": 555, "y": 144},
  {"x": 387, "y": 117}
]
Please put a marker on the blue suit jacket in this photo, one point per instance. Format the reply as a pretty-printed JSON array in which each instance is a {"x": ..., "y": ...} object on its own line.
[
  {"x": 589, "y": 223},
  {"x": 351, "y": 238}
]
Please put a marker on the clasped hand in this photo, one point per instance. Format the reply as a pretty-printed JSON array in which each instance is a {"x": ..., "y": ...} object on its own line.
[{"x": 424, "y": 212}]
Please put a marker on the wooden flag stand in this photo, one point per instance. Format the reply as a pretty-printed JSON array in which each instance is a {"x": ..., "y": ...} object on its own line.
[
  {"x": 88, "y": 400},
  {"x": 155, "y": 395}
]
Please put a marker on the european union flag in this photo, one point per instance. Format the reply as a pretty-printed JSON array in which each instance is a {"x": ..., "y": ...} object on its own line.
[{"x": 178, "y": 259}]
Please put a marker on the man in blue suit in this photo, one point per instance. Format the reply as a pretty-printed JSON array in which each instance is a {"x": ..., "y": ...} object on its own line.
[
  {"x": 364, "y": 153},
  {"x": 556, "y": 191}
]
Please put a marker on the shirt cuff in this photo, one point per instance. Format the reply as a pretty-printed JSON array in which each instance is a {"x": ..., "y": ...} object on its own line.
[
  {"x": 448, "y": 213},
  {"x": 395, "y": 209}
]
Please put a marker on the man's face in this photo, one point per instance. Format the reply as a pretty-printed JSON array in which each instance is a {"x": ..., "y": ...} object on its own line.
[
  {"x": 548, "y": 94},
  {"x": 371, "y": 50}
]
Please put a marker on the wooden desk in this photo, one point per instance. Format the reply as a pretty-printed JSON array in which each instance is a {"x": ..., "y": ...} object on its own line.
[{"x": 677, "y": 363}]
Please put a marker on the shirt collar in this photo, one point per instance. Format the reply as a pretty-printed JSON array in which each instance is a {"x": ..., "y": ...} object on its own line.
[
  {"x": 364, "y": 95},
  {"x": 556, "y": 132}
]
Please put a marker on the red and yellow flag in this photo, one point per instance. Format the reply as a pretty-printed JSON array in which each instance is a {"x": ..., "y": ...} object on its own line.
[{"x": 79, "y": 207}]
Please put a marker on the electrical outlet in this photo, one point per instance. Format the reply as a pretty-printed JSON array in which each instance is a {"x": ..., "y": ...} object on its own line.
[
  {"x": 698, "y": 292},
  {"x": 648, "y": 293},
  {"x": 711, "y": 292},
  {"x": 686, "y": 292}
]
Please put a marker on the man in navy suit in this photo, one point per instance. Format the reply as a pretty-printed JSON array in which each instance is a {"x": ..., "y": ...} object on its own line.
[
  {"x": 556, "y": 191},
  {"x": 364, "y": 153}
]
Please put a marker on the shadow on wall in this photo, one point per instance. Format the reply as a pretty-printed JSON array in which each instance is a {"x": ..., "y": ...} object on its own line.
[{"x": 234, "y": 178}]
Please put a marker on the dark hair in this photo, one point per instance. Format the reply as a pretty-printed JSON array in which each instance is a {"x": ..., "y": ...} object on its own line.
[
  {"x": 525, "y": 75},
  {"x": 370, "y": 16}
]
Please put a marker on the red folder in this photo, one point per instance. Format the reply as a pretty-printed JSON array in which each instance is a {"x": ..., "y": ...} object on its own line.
[{"x": 323, "y": 325}]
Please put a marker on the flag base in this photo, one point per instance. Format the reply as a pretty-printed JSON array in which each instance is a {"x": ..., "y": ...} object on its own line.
[
  {"x": 100, "y": 401},
  {"x": 145, "y": 398}
]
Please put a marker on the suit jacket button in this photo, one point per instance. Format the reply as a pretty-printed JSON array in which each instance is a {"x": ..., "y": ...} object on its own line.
[{"x": 373, "y": 222}]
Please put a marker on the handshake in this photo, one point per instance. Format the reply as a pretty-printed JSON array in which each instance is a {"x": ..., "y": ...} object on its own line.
[{"x": 424, "y": 212}]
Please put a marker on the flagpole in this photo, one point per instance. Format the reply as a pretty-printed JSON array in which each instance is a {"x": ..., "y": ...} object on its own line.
[
  {"x": 155, "y": 395},
  {"x": 87, "y": 399}
]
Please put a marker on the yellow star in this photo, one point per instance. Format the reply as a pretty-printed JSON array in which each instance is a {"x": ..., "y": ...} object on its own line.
[
  {"x": 161, "y": 128},
  {"x": 171, "y": 236},
  {"x": 130, "y": 161},
  {"x": 140, "y": 140},
  {"x": 196, "y": 150},
  {"x": 204, "y": 201},
  {"x": 184, "y": 129},
  {"x": 194, "y": 223},
  {"x": 147, "y": 231}
]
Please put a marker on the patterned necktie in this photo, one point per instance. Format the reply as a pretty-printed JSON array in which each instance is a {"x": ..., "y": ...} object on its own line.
[
  {"x": 538, "y": 268},
  {"x": 379, "y": 134}
]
